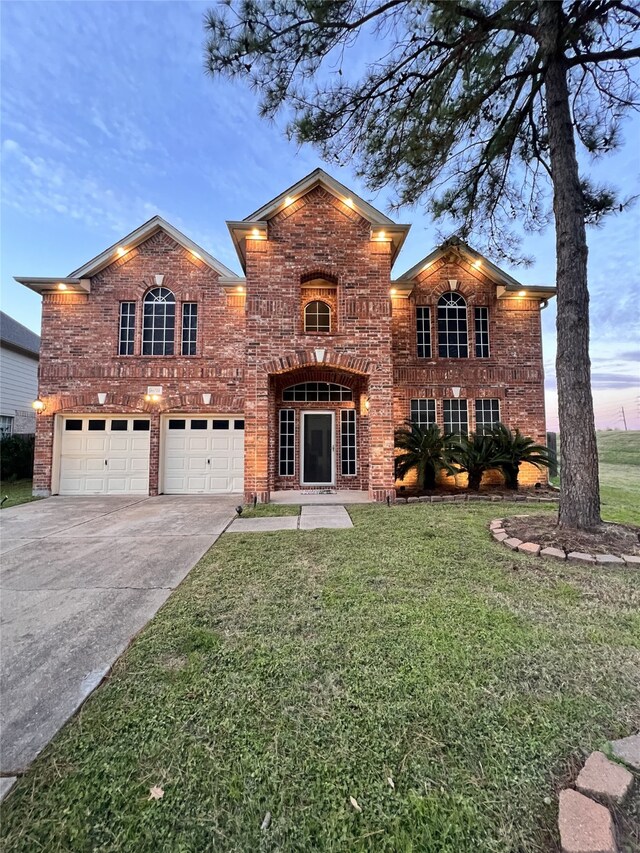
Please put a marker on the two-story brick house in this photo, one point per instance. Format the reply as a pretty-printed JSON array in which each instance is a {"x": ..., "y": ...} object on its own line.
[{"x": 162, "y": 371}]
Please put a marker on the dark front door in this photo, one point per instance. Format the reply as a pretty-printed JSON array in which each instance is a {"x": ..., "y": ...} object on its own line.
[{"x": 317, "y": 449}]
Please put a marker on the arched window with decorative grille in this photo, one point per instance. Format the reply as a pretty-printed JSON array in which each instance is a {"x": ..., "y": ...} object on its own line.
[
  {"x": 317, "y": 316},
  {"x": 159, "y": 322},
  {"x": 453, "y": 340}
]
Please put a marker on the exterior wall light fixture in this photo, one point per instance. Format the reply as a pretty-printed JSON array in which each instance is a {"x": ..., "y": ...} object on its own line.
[{"x": 38, "y": 406}]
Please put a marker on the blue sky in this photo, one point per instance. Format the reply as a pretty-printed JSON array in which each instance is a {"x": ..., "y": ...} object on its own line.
[{"x": 107, "y": 118}]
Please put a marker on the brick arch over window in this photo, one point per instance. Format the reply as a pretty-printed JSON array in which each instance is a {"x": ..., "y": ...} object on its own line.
[
  {"x": 323, "y": 273},
  {"x": 307, "y": 358}
]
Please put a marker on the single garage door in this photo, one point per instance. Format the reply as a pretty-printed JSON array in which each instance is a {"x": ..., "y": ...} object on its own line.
[
  {"x": 104, "y": 456},
  {"x": 203, "y": 456}
]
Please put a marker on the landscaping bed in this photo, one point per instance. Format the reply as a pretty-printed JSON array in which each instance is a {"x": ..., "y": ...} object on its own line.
[{"x": 616, "y": 539}]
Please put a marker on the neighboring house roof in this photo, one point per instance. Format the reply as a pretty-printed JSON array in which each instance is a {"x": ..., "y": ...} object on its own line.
[
  {"x": 256, "y": 223},
  {"x": 79, "y": 280},
  {"x": 17, "y": 337},
  {"x": 507, "y": 285}
]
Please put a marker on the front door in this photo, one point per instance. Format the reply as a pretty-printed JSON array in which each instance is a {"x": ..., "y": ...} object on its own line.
[{"x": 317, "y": 448}]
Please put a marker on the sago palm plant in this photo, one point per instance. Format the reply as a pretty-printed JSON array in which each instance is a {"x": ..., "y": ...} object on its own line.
[
  {"x": 425, "y": 450},
  {"x": 475, "y": 454},
  {"x": 515, "y": 449}
]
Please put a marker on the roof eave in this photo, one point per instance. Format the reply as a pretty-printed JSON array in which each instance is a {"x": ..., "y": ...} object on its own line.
[
  {"x": 70, "y": 284},
  {"x": 138, "y": 236}
]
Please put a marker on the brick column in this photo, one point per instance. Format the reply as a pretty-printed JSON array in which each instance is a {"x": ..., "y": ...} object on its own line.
[
  {"x": 256, "y": 436},
  {"x": 154, "y": 452},
  {"x": 43, "y": 455},
  {"x": 381, "y": 443}
]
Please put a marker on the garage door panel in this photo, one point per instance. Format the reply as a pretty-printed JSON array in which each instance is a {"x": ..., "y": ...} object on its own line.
[
  {"x": 84, "y": 453},
  {"x": 204, "y": 461}
]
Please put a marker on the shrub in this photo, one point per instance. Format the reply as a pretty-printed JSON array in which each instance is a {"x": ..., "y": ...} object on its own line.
[
  {"x": 16, "y": 457},
  {"x": 476, "y": 454},
  {"x": 515, "y": 449},
  {"x": 424, "y": 449}
]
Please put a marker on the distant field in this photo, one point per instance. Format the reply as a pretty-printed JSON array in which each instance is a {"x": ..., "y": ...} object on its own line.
[
  {"x": 619, "y": 454},
  {"x": 619, "y": 448}
]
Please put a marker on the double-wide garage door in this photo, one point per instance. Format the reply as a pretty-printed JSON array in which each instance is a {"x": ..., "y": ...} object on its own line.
[
  {"x": 110, "y": 455},
  {"x": 203, "y": 456}
]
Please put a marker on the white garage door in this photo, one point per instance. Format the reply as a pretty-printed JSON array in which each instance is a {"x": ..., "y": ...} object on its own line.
[
  {"x": 203, "y": 456},
  {"x": 104, "y": 456}
]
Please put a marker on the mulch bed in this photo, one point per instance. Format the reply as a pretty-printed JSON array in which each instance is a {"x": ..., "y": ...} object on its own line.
[
  {"x": 613, "y": 539},
  {"x": 497, "y": 490}
]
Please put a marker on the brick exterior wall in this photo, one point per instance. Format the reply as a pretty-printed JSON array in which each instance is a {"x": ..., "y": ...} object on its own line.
[{"x": 249, "y": 348}]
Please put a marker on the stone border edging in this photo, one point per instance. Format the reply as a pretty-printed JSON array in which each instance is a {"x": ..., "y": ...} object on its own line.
[
  {"x": 585, "y": 822},
  {"x": 470, "y": 498},
  {"x": 500, "y": 535}
]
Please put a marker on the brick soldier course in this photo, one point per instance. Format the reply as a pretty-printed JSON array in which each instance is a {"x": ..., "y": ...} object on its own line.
[{"x": 317, "y": 242}]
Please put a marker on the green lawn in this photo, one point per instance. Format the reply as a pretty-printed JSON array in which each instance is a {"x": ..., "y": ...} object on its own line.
[
  {"x": 18, "y": 492},
  {"x": 619, "y": 454},
  {"x": 294, "y": 670}
]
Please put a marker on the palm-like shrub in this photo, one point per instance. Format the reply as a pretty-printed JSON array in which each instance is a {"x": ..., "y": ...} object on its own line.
[
  {"x": 515, "y": 448},
  {"x": 475, "y": 454},
  {"x": 425, "y": 450}
]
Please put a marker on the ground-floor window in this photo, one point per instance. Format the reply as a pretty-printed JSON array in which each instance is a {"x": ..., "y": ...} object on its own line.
[
  {"x": 423, "y": 412},
  {"x": 348, "y": 442},
  {"x": 487, "y": 414},
  {"x": 6, "y": 425},
  {"x": 456, "y": 418},
  {"x": 287, "y": 442}
]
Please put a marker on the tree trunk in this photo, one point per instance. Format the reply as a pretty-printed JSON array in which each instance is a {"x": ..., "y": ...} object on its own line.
[
  {"x": 474, "y": 481},
  {"x": 579, "y": 486}
]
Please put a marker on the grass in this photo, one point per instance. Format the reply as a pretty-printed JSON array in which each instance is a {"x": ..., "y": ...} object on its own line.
[
  {"x": 294, "y": 670},
  {"x": 18, "y": 492},
  {"x": 270, "y": 510},
  {"x": 619, "y": 454}
]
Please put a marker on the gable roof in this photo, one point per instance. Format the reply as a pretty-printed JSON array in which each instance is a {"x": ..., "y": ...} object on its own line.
[
  {"x": 16, "y": 336},
  {"x": 507, "y": 284},
  {"x": 79, "y": 280},
  {"x": 257, "y": 221}
]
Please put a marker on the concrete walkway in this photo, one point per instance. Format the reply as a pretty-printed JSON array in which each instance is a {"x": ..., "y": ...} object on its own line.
[
  {"x": 79, "y": 578},
  {"x": 302, "y": 497},
  {"x": 311, "y": 518}
]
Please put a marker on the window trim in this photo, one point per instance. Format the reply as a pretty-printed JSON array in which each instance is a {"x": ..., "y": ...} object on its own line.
[
  {"x": 461, "y": 311},
  {"x": 188, "y": 330},
  {"x": 309, "y": 331},
  {"x": 424, "y": 332},
  {"x": 348, "y": 418},
  {"x": 129, "y": 340},
  {"x": 482, "y": 400},
  {"x": 459, "y": 401},
  {"x": 168, "y": 299},
  {"x": 478, "y": 333},
  {"x": 298, "y": 395},
  {"x": 418, "y": 400},
  {"x": 289, "y": 446}
]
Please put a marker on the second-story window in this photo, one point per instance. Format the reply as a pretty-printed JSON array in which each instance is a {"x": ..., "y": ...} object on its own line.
[
  {"x": 423, "y": 329},
  {"x": 159, "y": 322},
  {"x": 127, "y": 328},
  {"x": 317, "y": 317},
  {"x": 481, "y": 316},
  {"x": 189, "y": 327},
  {"x": 452, "y": 326}
]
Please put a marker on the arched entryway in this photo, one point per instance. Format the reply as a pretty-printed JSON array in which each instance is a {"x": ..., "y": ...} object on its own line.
[{"x": 319, "y": 429}]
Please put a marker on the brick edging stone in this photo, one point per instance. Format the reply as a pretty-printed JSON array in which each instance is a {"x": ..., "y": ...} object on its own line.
[{"x": 534, "y": 549}]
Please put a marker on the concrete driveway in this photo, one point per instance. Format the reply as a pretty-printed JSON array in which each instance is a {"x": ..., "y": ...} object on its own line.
[{"x": 79, "y": 578}]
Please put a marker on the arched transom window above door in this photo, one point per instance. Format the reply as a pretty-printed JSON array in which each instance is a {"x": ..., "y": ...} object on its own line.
[
  {"x": 317, "y": 392},
  {"x": 317, "y": 316}
]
